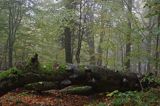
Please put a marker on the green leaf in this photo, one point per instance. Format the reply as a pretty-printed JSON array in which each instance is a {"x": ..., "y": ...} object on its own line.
[{"x": 112, "y": 93}]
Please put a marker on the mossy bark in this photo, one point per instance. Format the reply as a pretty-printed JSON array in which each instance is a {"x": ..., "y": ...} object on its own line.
[{"x": 99, "y": 79}]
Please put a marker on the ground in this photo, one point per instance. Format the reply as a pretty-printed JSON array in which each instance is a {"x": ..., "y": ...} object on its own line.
[
  {"x": 51, "y": 98},
  {"x": 18, "y": 97}
]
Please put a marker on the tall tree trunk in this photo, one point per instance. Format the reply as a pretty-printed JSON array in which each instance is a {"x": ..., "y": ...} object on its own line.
[
  {"x": 139, "y": 68},
  {"x": 122, "y": 57},
  {"x": 90, "y": 36},
  {"x": 128, "y": 44},
  {"x": 100, "y": 51},
  {"x": 68, "y": 35},
  {"x": 139, "y": 61},
  {"x": 106, "y": 61},
  {"x": 157, "y": 46},
  {"x": 92, "y": 51},
  {"x": 149, "y": 40},
  {"x": 10, "y": 39},
  {"x": 80, "y": 35},
  {"x": 15, "y": 17},
  {"x": 68, "y": 46},
  {"x": 149, "y": 52}
]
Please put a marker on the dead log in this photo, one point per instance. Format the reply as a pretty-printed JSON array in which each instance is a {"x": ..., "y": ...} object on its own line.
[{"x": 98, "y": 78}]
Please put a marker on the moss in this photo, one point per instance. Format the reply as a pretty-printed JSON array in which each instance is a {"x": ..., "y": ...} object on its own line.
[
  {"x": 40, "y": 86},
  {"x": 77, "y": 89},
  {"x": 12, "y": 71},
  {"x": 46, "y": 69}
]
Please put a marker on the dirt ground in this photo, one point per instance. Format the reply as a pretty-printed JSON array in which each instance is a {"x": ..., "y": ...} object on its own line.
[{"x": 50, "y": 98}]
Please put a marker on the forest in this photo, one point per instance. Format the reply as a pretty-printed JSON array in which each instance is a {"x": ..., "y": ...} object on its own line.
[{"x": 79, "y": 52}]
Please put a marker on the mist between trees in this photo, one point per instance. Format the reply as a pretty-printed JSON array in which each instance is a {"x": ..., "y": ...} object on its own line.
[{"x": 118, "y": 34}]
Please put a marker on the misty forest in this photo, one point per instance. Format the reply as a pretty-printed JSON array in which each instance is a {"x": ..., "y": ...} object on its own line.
[{"x": 79, "y": 52}]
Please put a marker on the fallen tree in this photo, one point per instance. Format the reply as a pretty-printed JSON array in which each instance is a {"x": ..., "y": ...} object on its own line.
[{"x": 97, "y": 79}]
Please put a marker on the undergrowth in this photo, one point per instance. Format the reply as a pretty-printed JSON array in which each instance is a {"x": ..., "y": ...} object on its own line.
[
  {"x": 132, "y": 98},
  {"x": 9, "y": 72}
]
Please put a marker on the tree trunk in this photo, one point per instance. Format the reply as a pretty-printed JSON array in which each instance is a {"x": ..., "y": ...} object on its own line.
[
  {"x": 100, "y": 52},
  {"x": 90, "y": 41},
  {"x": 80, "y": 36},
  {"x": 128, "y": 45},
  {"x": 68, "y": 31},
  {"x": 10, "y": 39},
  {"x": 98, "y": 78},
  {"x": 15, "y": 17},
  {"x": 148, "y": 45},
  {"x": 88, "y": 19},
  {"x": 68, "y": 46},
  {"x": 102, "y": 34},
  {"x": 157, "y": 46},
  {"x": 122, "y": 57},
  {"x": 139, "y": 68}
]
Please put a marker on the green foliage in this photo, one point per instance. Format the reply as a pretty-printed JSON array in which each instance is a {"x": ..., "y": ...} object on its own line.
[
  {"x": 134, "y": 98},
  {"x": 127, "y": 98},
  {"x": 23, "y": 93},
  {"x": 15, "y": 71},
  {"x": 10, "y": 72},
  {"x": 4, "y": 74},
  {"x": 18, "y": 101},
  {"x": 153, "y": 95},
  {"x": 151, "y": 79},
  {"x": 154, "y": 6},
  {"x": 46, "y": 68},
  {"x": 49, "y": 69},
  {"x": 62, "y": 68},
  {"x": 112, "y": 93}
]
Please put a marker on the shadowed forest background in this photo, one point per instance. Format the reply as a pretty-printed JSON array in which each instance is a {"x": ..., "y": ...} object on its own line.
[{"x": 121, "y": 36}]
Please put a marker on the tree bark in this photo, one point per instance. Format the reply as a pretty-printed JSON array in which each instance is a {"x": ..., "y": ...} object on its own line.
[
  {"x": 80, "y": 34},
  {"x": 157, "y": 46},
  {"x": 10, "y": 39},
  {"x": 68, "y": 46},
  {"x": 88, "y": 18},
  {"x": 102, "y": 34},
  {"x": 15, "y": 17},
  {"x": 98, "y": 78},
  {"x": 68, "y": 32},
  {"x": 90, "y": 41},
  {"x": 128, "y": 44},
  {"x": 148, "y": 45}
]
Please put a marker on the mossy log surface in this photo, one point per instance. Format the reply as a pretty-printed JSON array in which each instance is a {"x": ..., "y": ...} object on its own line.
[{"x": 98, "y": 79}]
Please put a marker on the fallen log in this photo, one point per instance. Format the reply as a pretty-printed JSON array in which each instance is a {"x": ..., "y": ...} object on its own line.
[{"x": 99, "y": 79}]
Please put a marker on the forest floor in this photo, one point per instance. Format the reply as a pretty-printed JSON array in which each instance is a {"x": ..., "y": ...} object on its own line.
[
  {"x": 55, "y": 98},
  {"x": 50, "y": 98}
]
